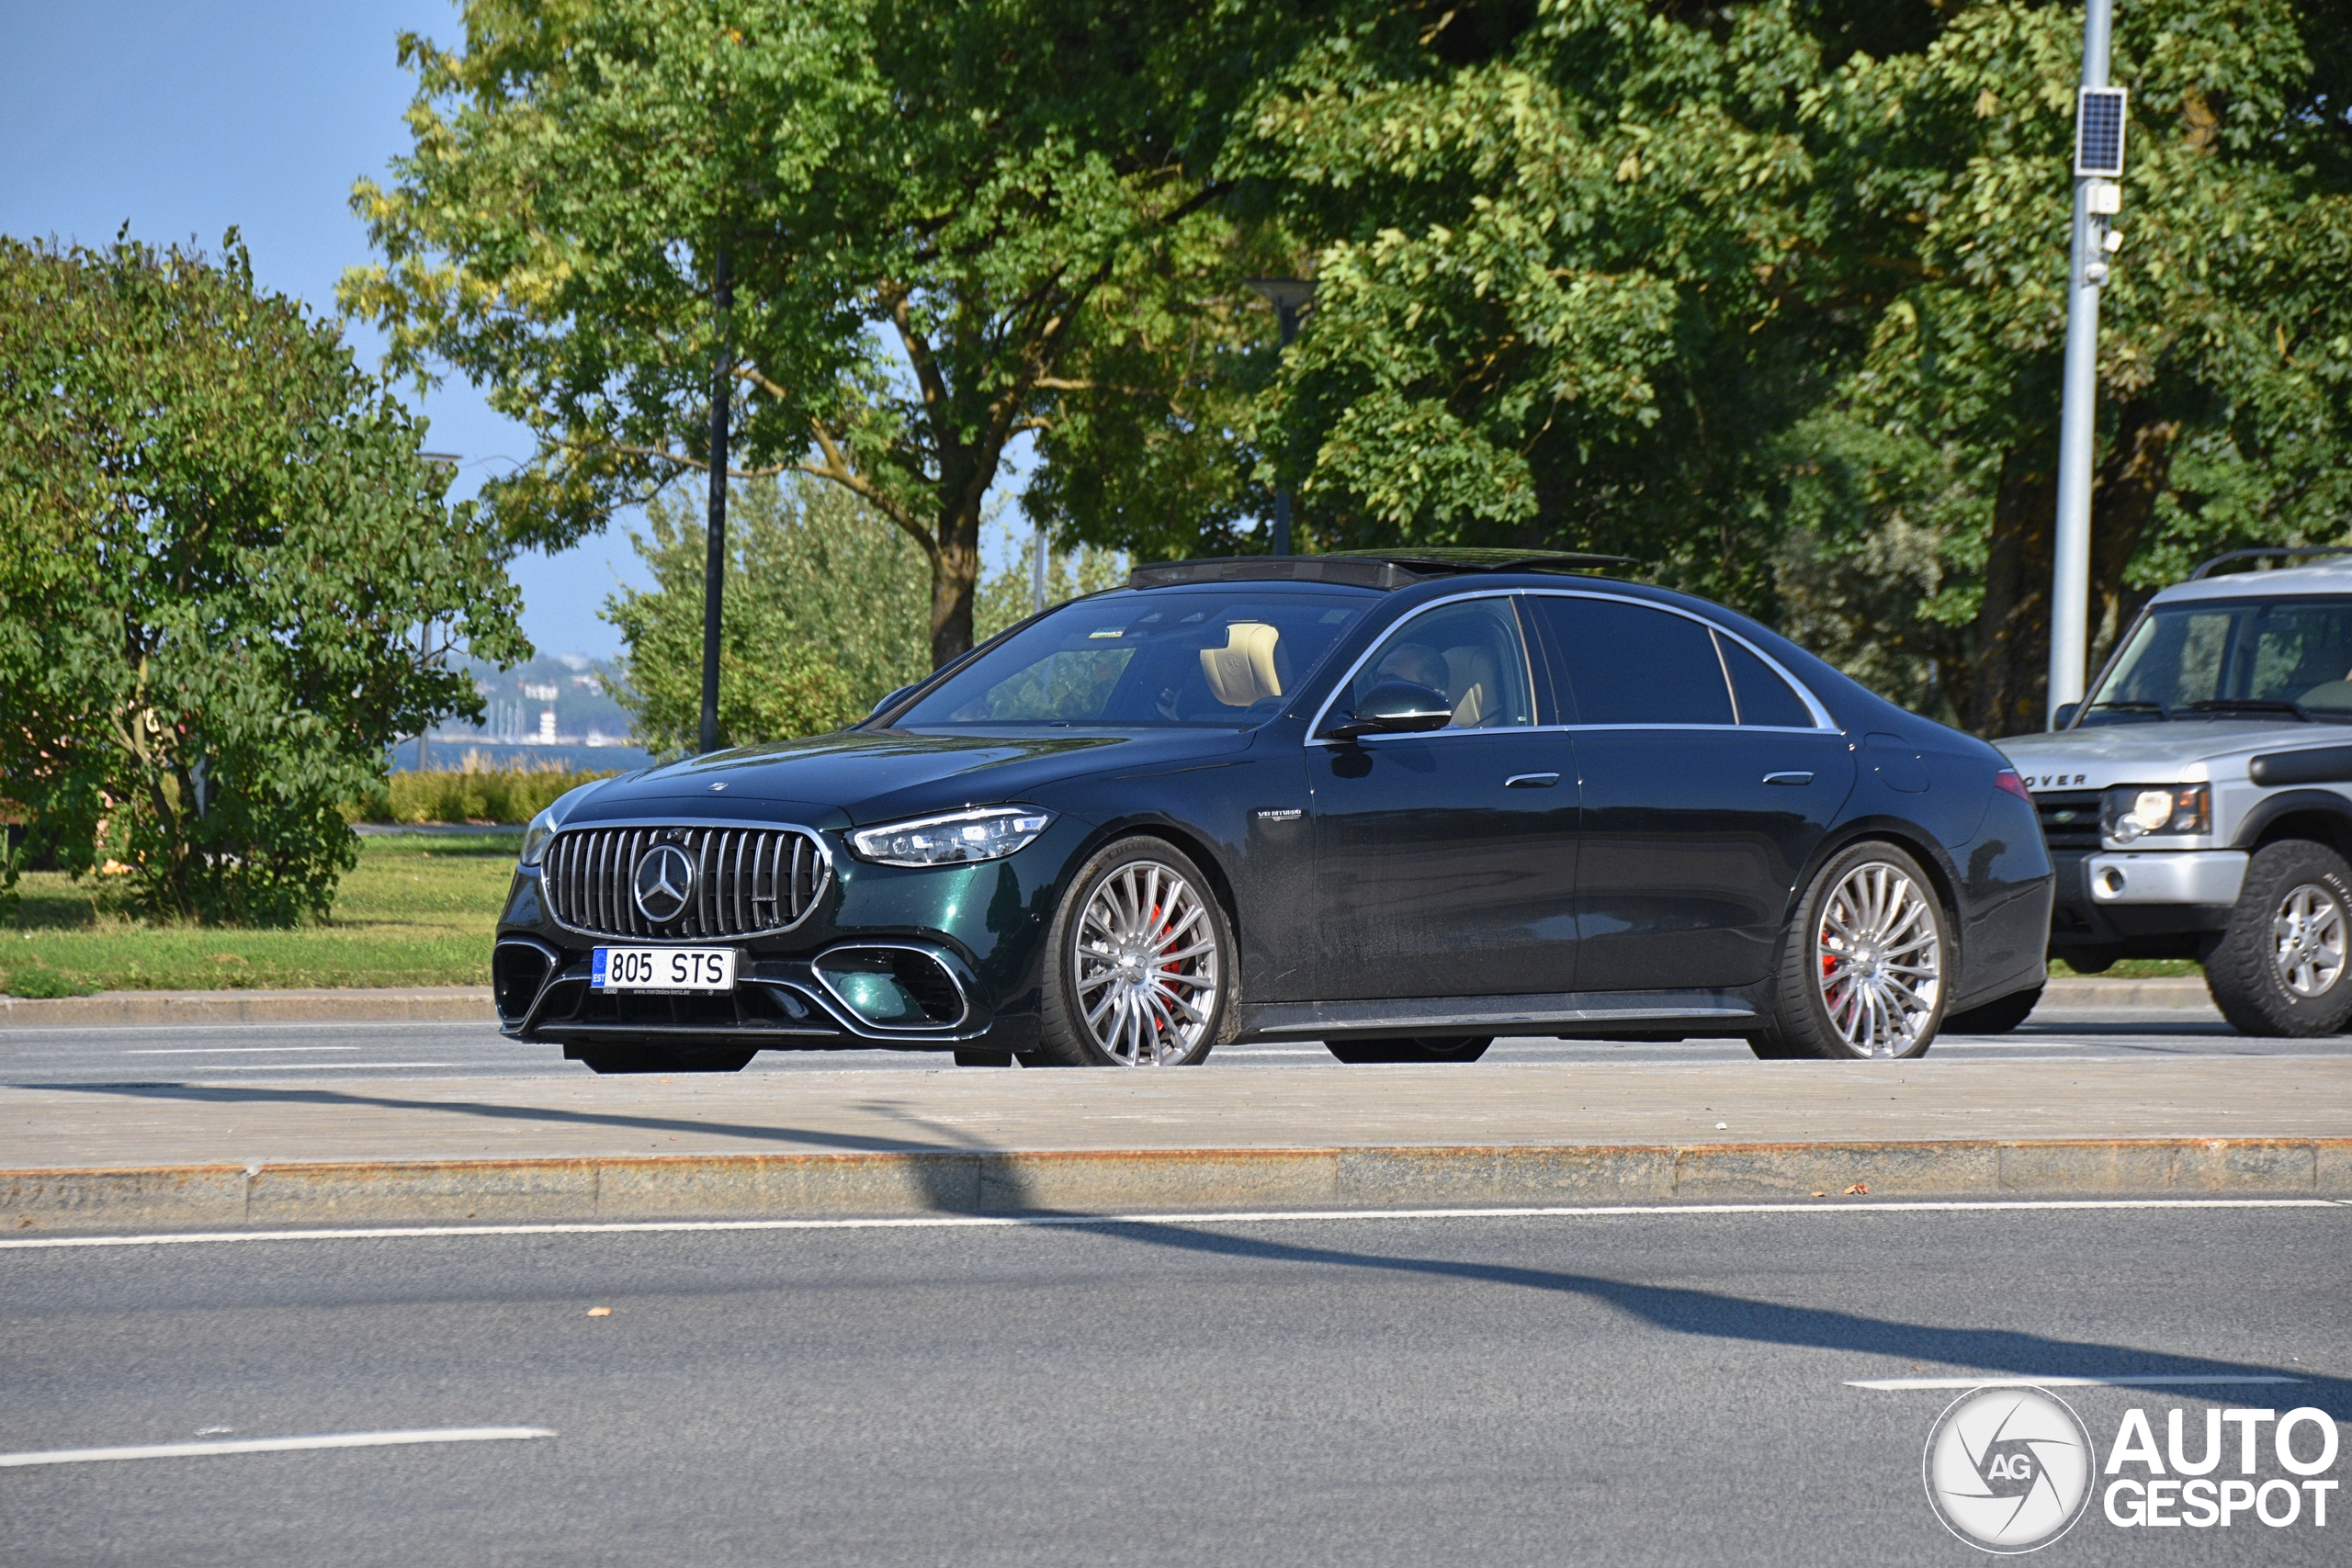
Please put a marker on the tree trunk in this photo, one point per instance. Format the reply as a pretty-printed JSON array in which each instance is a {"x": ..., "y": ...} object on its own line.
[
  {"x": 2002, "y": 689},
  {"x": 954, "y": 581},
  {"x": 2123, "y": 505}
]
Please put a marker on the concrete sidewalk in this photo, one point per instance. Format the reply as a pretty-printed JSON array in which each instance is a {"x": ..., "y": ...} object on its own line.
[{"x": 349, "y": 1151}]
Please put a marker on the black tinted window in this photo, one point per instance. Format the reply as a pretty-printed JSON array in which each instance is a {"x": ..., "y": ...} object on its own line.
[
  {"x": 1630, "y": 664},
  {"x": 1764, "y": 697}
]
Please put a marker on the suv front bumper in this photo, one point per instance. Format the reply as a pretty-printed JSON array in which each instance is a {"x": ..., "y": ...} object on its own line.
[{"x": 2175, "y": 876}]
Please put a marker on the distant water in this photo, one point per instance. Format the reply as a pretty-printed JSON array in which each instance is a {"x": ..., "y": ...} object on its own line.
[{"x": 441, "y": 753}]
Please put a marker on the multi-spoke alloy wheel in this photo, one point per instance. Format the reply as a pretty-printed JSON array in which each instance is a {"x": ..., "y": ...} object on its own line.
[
  {"x": 1882, "y": 959},
  {"x": 1142, "y": 979},
  {"x": 1864, "y": 975},
  {"x": 2308, "y": 932}
]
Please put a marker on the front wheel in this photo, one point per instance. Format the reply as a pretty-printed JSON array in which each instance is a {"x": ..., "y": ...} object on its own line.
[
  {"x": 1861, "y": 974},
  {"x": 1139, "y": 964},
  {"x": 1446, "y": 1048},
  {"x": 2279, "y": 969}
]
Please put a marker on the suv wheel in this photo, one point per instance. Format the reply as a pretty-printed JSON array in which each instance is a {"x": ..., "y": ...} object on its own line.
[
  {"x": 2279, "y": 969},
  {"x": 1138, "y": 964},
  {"x": 1861, "y": 973}
]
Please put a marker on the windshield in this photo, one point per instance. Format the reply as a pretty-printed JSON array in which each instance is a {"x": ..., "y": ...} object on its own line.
[
  {"x": 2234, "y": 659},
  {"x": 1224, "y": 654}
]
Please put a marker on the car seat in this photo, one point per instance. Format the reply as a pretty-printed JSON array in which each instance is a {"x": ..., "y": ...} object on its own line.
[
  {"x": 1242, "y": 672},
  {"x": 1473, "y": 685}
]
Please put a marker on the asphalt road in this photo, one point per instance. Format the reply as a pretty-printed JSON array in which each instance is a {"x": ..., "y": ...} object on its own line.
[
  {"x": 292, "y": 1052},
  {"x": 1665, "y": 1387}
]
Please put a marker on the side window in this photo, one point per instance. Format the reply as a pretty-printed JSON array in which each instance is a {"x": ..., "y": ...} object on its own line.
[
  {"x": 1763, "y": 698},
  {"x": 1630, "y": 664},
  {"x": 1471, "y": 651}
]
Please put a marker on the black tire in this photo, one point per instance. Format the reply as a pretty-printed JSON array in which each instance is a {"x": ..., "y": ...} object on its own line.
[
  {"x": 1433, "y": 1048},
  {"x": 1134, "y": 986},
  {"x": 659, "y": 1059},
  {"x": 1863, "y": 887},
  {"x": 2248, "y": 974},
  {"x": 1994, "y": 1018},
  {"x": 966, "y": 1059}
]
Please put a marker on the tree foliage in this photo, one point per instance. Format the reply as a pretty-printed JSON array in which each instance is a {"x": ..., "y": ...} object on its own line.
[
  {"x": 1771, "y": 297},
  {"x": 220, "y": 552},
  {"x": 947, "y": 226}
]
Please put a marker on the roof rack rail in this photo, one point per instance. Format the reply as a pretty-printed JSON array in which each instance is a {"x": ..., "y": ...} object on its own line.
[
  {"x": 2207, "y": 569},
  {"x": 1385, "y": 570}
]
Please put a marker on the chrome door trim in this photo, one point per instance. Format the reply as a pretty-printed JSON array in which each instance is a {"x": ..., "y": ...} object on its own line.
[{"x": 1813, "y": 704}]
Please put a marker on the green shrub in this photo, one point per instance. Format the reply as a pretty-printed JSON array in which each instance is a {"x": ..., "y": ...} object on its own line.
[{"x": 468, "y": 794}]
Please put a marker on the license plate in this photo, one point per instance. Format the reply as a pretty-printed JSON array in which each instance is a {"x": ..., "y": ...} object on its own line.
[{"x": 663, "y": 969}]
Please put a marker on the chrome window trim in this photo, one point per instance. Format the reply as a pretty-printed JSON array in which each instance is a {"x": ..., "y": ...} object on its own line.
[
  {"x": 1527, "y": 662},
  {"x": 1822, "y": 721},
  {"x": 732, "y": 824}
]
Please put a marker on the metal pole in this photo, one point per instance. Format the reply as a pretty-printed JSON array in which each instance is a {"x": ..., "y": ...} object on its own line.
[
  {"x": 714, "y": 576},
  {"x": 2070, "y": 578},
  {"x": 1287, "y": 314}
]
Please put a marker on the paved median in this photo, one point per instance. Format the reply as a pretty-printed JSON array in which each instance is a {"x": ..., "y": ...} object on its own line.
[{"x": 350, "y": 1151}]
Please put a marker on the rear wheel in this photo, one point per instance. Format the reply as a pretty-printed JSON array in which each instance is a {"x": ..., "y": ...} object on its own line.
[
  {"x": 1432, "y": 1048},
  {"x": 1862, "y": 972},
  {"x": 658, "y": 1059},
  {"x": 2279, "y": 969},
  {"x": 1994, "y": 1018},
  {"x": 1138, "y": 964}
]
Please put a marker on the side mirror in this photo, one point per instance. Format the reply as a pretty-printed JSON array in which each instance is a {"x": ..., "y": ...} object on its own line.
[
  {"x": 2065, "y": 716},
  {"x": 1394, "y": 707}
]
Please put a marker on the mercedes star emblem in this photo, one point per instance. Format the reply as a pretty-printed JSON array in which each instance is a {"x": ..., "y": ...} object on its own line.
[{"x": 665, "y": 882}]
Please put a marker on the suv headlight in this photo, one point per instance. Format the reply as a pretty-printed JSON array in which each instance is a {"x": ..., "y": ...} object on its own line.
[
  {"x": 2133, "y": 811},
  {"x": 542, "y": 827},
  {"x": 991, "y": 833}
]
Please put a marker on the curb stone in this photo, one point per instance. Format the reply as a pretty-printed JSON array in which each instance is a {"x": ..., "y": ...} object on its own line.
[
  {"x": 406, "y": 1004},
  {"x": 887, "y": 1183}
]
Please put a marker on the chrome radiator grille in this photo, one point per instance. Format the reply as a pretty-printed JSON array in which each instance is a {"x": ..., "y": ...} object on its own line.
[
  {"x": 746, "y": 880},
  {"x": 2069, "y": 817}
]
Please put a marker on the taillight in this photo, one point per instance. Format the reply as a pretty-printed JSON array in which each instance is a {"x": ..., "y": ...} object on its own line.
[{"x": 2007, "y": 778}]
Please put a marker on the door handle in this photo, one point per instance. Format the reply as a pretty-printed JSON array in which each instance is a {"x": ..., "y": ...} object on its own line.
[
  {"x": 1531, "y": 780},
  {"x": 1788, "y": 778}
]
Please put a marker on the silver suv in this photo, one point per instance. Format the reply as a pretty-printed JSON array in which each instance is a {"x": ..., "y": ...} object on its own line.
[{"x": 2199, "y": 803}]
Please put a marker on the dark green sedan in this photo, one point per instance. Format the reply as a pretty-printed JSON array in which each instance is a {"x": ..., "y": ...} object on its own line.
[{"x": 1400, "y": 805}]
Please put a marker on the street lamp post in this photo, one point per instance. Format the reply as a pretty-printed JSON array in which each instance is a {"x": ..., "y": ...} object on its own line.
[
  {"x": 713, "y": 575},
  {"x": 2098, "y": 167},
  {"x": 1288, "y": 296}
]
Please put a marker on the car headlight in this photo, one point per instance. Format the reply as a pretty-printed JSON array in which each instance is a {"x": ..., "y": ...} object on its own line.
[
  {"x": 2133, "y": 811},
  {"x": 535, "y": 836},
  {"x": 991, "y": 833}
]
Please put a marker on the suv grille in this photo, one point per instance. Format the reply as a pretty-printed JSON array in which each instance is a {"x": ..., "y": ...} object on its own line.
[
  {"x": 746, "y": 880},
  {"x": 2069, "y": 817}
]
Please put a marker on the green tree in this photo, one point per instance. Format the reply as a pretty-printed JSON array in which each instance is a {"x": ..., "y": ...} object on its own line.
[
  {"x": 820, "y": 617},
  {"x": 1770, "y": 295},
  {"x": 946, "y": 226},
  {"x": 227, "y": 578}
]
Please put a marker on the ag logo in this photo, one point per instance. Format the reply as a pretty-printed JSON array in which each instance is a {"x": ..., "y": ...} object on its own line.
[
  {"x": 2008, "y": 1470},
  {"x": 665, "y": 881}
]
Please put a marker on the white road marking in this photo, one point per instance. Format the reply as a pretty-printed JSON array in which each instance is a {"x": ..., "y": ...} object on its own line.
[
  {"x": 308, "y": 1067},
  {"x": 279, "y": 1445},
  {"x": 2166, "y": 1379},
  {"x": 1253, "y": 1217},
  {"x": 234, "y": 1050}
]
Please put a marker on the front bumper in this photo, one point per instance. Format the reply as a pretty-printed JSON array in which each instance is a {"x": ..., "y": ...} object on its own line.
[
  {"x": 2178, "y": 876},
  {"x": 2144, "y": 909}
]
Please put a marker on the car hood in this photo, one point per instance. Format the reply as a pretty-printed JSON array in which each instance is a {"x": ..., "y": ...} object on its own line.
[
  {"x": 857, "y": 777},
  {"x": 2184, "y": 751}
]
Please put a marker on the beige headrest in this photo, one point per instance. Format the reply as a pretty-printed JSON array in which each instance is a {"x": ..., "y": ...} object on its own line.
[
  {"x": 1471, "y": 682},
  {"x": 1242, "y": 671}
]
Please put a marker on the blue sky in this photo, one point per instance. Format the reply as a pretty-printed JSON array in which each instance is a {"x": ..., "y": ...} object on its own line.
[{"x": 184, "y": 117}]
